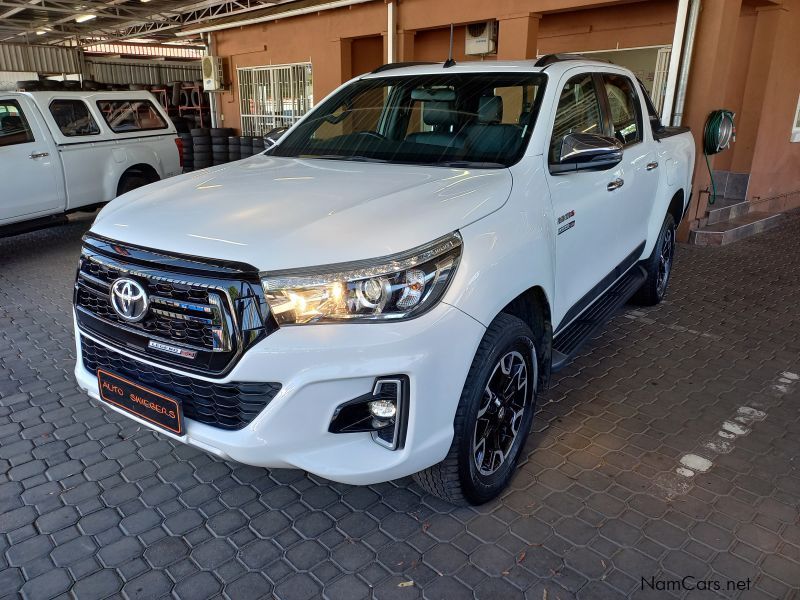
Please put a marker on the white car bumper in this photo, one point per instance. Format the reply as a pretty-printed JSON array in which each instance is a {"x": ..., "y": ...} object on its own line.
[{"x": 320, "y": 367}]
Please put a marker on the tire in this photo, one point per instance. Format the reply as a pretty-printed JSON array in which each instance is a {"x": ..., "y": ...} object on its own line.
[
  {"x": 222, "y": 132},
  {"x": 219, "y": 147},
  {"x": 199, "y": 132},
  {"x": 131, "y": 181},
  {"x": 658, "y": 266},
  {"x": 507, "y": 343}
]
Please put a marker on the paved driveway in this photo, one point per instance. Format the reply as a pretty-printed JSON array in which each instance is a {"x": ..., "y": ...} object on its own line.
[{"x": 664, "y": 458}]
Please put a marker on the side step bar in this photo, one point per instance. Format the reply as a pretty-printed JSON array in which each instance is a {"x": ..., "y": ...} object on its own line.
[{"x": 568, "y": 341}]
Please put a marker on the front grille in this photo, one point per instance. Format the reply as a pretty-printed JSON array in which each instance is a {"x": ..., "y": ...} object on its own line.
[
  {"x": 180, "y": 312},
  {"x": 202, "y": 315},
  {"x": 223, "y": 405}
]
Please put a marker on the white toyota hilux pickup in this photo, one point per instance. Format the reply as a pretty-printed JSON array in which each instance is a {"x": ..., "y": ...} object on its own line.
[
  {"x": 386, "y": 290},
  {"x": 66, "y": 151}
]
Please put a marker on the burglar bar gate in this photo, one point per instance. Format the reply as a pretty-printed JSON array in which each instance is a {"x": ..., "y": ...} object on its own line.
[{"x": 273, "y": 96}]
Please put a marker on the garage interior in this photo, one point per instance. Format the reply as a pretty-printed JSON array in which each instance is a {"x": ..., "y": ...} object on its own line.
[{"x": 94, "y": 506}]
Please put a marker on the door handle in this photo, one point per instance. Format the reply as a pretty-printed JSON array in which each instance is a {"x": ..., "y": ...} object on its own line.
[
  {"x": 39, "y": 154},
  {"x": 652, "y": 165},
  {"x": 613, "y": 185}
]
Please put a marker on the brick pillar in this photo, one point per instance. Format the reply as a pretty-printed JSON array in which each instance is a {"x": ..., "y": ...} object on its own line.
[
  {"x": 758, "y": 68},
  {"x": 332, "y": 68},
  {"x": 404, "y": 50},
  {"x": 711, "y": 61},
  {"x": 517, "y": 36}
]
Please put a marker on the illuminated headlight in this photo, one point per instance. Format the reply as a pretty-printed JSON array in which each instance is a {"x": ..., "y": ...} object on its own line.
[{"x": 400, "y": 286}]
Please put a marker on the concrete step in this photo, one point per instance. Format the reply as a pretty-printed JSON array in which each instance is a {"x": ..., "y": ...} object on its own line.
[
  {"x": 736, "y": 229},
  {"x": 726, "y": 209}
]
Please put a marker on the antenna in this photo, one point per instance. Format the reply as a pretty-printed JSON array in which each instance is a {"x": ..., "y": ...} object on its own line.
[{"x": 450, "y": 62}]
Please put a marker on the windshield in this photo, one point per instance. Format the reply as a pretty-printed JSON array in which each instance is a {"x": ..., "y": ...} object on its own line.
[{"x": 474, "y": 119}]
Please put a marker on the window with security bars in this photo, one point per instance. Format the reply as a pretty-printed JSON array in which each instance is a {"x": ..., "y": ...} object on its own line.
[{"x": 275, "y": 96}]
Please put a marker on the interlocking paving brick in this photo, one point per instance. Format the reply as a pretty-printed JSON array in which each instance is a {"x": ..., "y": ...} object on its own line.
[{"x": 93, "y": 505}]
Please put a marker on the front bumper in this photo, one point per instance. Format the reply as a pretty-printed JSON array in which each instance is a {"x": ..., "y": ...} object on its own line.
[{"x": 323, "y": 366}]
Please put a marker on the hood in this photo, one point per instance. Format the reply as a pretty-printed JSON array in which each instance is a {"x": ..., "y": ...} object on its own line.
[{"x": 283, "y": 213}]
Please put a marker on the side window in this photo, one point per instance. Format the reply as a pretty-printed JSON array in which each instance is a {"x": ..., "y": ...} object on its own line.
[
  {"x": 73, "y": 118},
  {"x": 578, "y": 111},
  {"x": 124, "y": 116},
  {"x": 14, "y": 128},
  {"x": 624, "y": 105}
]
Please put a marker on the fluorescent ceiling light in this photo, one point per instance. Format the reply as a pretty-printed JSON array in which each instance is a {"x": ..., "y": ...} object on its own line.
[{"x": 84, "y": 18}]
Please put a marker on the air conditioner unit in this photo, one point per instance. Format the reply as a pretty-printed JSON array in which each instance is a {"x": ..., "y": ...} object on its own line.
[
  {"x": 481, "y": 38},
  {"x": 212, "y": 73}
]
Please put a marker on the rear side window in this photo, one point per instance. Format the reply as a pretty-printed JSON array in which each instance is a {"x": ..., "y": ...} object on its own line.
[
  {"x": 624, "y": 106},
  {"x": 578, "y": 111},
  {"x": 124, "y": 116},
  {"x": 14, "y": 128},
  {"x": 73, "y": 118}
]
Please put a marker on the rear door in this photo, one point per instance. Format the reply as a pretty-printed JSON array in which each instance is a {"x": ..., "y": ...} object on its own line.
[
  {"x": 29, "y": 165},
  {"x": 639, "y": 164},
  {"x": 585, "y": 209}
]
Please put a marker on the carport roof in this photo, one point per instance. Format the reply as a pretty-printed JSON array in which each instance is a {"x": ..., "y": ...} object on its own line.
[{"x": 87, "y": 22}]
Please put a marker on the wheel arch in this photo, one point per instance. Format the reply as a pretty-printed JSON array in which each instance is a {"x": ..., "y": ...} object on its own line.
[
  {"x": 533, "y": 308},
  {"x": 676, "y": 206},
  {"x": 143, "y": 169}
]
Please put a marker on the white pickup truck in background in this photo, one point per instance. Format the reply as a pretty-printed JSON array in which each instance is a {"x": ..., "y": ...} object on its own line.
[{"x": 63, "y": 151}]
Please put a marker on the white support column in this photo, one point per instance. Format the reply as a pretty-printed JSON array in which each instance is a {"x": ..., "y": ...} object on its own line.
[
  {"x": 391, "y": 29},
  {"x": 674, "y": 61}
]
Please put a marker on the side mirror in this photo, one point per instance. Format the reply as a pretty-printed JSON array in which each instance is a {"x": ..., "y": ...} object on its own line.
[
  {"x": 272, "y": 136},
  {"x": 586, "y": 152}
]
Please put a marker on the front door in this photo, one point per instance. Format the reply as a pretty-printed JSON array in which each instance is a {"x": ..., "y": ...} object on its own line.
[
  {"x": 585, "y": 207},
  {"x": 28, "y": 165}
]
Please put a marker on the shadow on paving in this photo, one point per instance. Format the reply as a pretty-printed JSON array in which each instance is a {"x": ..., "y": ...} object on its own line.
[{"x": 93, "y": 504}]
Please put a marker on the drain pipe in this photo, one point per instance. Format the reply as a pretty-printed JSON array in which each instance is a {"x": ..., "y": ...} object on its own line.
[
  {"x": 674, "y": 61},
  {"x": 686, "y": 62}
]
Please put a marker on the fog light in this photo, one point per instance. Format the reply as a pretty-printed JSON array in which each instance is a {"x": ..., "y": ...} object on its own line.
[
  {"x": 382, "y": 409},
  {"x": 383, "y": 412}
]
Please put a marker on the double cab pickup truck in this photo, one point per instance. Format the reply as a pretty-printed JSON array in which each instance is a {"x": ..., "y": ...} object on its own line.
[
  {"x": 64, "y": 151},
  {"x": 386, "y": 291}
]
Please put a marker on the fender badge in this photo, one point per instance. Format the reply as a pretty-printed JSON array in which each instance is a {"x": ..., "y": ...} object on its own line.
[
  {"x": 565, "y": 217},
  {"x": 564, "y": 228}
]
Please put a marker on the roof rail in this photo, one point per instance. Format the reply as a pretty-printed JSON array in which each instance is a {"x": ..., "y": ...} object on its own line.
[
  {"x": 549, "y": 59},
  {"x": 400, "y": 65}
]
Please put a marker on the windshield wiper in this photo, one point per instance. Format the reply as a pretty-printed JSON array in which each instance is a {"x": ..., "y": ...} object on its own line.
[
  {"x": 468, "y": 163},
  {"x": 354, "y": 158}
]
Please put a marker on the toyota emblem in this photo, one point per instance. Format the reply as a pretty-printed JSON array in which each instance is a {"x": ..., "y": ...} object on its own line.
[{"x": 129, "y": 300}]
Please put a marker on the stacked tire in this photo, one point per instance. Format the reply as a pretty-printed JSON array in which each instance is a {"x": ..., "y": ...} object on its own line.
[
  {"x": 188, "y": 151},
  {"x": 234, "y": 148},
  {"x": 258, "y": 145},
  {"x": 246, "y": 146},
  {"x": 219, "y": 144},
  {"x": 201, "y": 143}
]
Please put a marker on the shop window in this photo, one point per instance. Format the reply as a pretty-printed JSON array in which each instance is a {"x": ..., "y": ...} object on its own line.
[
  {"x": 14, "y": 128},
  {"x": 73, "y": 118},
  {"x": 124, "y": 116},
  {"x": 796, "y": 125},
  {"x": 272, "y": 97}
]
